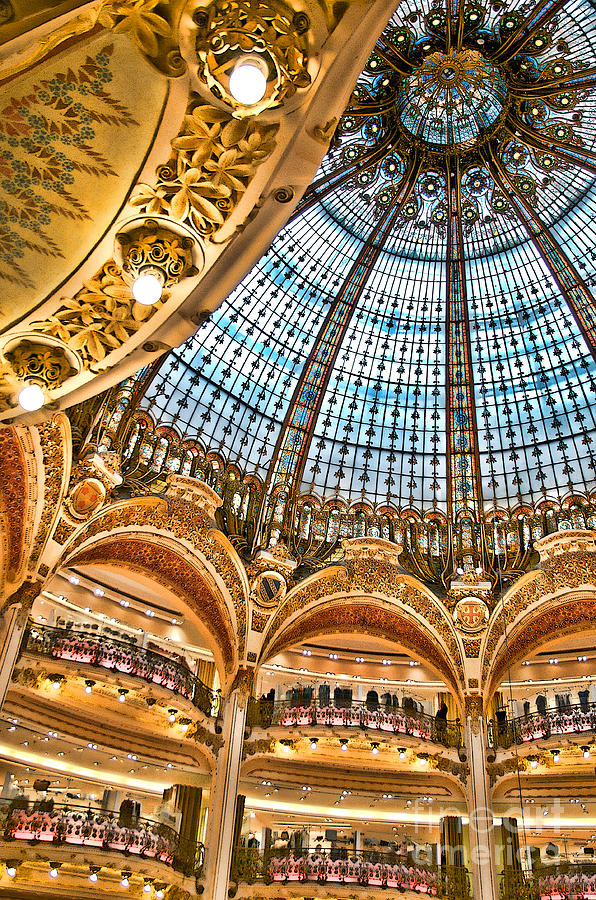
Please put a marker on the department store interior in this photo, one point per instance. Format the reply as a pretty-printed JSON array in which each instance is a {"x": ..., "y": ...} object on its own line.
[{"x": 297, "y": 449}]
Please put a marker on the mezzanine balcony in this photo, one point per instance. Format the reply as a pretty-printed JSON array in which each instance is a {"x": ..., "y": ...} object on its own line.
[
  {"x": 363, "y": 714},
  {"x": 84, "y": 830},
  {"x": 101, "y": 651},
  {"x": 350, "y": 868},
  {"x": 542, "y": 725},
  {"x": 562, "y": 881}
]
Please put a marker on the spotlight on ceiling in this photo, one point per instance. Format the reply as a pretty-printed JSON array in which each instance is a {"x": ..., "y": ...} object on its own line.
[
  {"x": 248, "y": 81},
  {"x": 31, "y": 397}
]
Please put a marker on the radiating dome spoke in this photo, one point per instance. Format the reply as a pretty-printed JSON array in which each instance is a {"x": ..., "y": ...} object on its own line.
[
  {"x": 524, "y": 34},
  {"x": 573, "y": 154},
  {"x": 580, "y": 300},
  {"x": 405, "y": 345}
]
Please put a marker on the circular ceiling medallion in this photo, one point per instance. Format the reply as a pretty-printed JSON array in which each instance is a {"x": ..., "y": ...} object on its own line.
[{"x": 470, "y": 614}]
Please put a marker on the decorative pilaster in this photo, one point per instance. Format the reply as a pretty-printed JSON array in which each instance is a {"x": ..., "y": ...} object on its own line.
[
  {"x": 224, "y": 790},
  {"x": 481, "y": 826},
  {"x": 13, "y": 620}
]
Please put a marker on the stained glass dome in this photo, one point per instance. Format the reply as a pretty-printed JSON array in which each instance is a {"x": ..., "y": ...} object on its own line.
[{"x": 422, "y": 333}]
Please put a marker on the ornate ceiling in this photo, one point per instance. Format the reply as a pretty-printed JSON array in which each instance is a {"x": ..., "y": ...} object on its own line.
[{"x": 421, "y": 333}]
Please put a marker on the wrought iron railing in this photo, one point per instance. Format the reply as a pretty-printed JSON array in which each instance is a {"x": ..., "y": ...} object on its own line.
[
  {"x": 106, "y": 653},
  {"x": 563, "y": 881},
  {"x": 50, "y": 822},
  {"x": 355, "y": 714},
  {"x": 537, "y": 726},
  {"x": 350, "y": 867}
]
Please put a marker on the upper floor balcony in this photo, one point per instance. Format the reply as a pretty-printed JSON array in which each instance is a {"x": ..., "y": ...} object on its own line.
[
  {"x": 350, "y": 868},
  {"x": 88, "y": 828},
  {"x": 364, "y": 714},
  {"x": 104, "y": 652},
  {"x": 560, "y": 881},
  {"x": 543, "y": 724}
]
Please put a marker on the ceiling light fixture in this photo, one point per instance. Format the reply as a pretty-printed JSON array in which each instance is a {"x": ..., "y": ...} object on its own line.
[{"x": 248, "y": 81}]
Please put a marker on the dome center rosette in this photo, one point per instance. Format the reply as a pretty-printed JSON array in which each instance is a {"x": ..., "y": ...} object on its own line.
[{"x": 452, "y": 100}]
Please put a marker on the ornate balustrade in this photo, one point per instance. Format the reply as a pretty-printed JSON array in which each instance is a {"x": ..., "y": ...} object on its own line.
[
  {"x": 355, "y": 714},
  {"x": 120, "y": 656},
  {"x": 349, "y": 867},
  {"x": 93, "y": 827},
  {"x": 537, "y": 726},
  {"x": 564, "y": 881}
]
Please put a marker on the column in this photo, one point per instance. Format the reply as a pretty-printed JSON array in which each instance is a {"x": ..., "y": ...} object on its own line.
[
  {"x": 187, "y": 800},
  {"x": 481, "y": 826},
  {"x": 13, "y": 621},
  {"x": 224, "y": 792},
  {"x": 452, "y": 842}
]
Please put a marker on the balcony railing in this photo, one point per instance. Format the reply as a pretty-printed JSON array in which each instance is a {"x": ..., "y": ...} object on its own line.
[
  {"x": 537, "y": 726},
  {"x": 564, "y": 881},
  {"x": 119, "y": 656},
  {"x": 355, "y": 714},
  {"x": 349, "y": 867},
  {"x": 54, "y": 823}
]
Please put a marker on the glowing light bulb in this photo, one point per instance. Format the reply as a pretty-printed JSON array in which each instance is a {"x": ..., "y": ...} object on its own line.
[
  {"x": 53, "y": 873},
  {"x": 248, "y": 81},
  {"x": 11, "y": 871},
  {"x": 402, "y": 755},
  {"x": 313, "y": 745},
  {"x": 375, "y": 750},
  {"x": 534, "y": 763},
  {"x": 31, "y": 397},
  {"x": 556, "y": 757},
  {"x": 125, "y": 882},
  {"x": 586, "y": 753},
  {"x": 93, "y": 877},
  {"x": 159, "y": 894},
  {"x": 172, "y": 717},
  {"x": 147, "y": 288},
  {"x": 56, "y": 685},
  {"x": 146, "y": 888}
]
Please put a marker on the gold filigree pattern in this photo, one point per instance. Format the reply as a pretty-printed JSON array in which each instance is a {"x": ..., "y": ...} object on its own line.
[
  {"x": 54, "y": 439},
  {"x": 100, "y": 317},
  {"x": 214, "y": 159}
]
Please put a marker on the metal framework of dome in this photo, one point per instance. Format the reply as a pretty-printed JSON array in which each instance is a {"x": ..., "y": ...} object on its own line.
[{"x": 421, "y": 337}]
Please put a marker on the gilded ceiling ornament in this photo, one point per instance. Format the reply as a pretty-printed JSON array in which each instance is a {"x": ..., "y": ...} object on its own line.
[
  {"x": 148, "y": 23},
  {"x": 100, "y": 317},
  {"x": 214, "y": 159},
  {"x": 39, "y": 361},
  {"x": 149, "y": 245},
  {"x": 272, "y": 33}
]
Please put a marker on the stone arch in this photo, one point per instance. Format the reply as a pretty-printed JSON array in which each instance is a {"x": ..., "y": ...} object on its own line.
[
  {"x": 370, "y": 592},
  {"x": 367, "y": 615},
  {"x": 174, "y": 542},
  {"x": 556, "y": 618},
  {"x": 554, "y": 599},
  {"x": 165, "y": 564}
]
